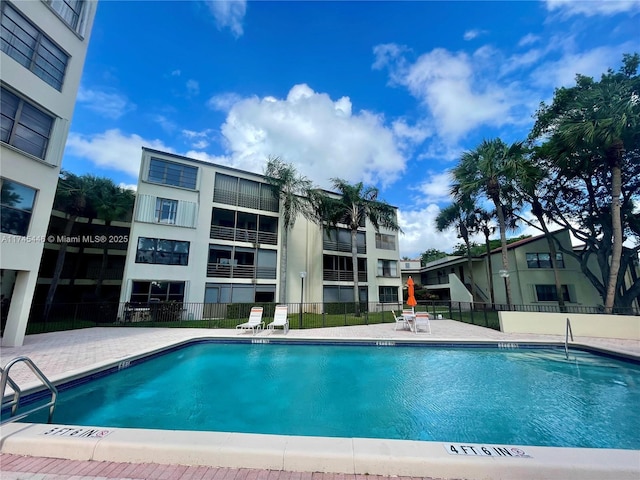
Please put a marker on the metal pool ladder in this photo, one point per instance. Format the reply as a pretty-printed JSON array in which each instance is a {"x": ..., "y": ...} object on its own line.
[
  {"x": 14, "y": 401},
  {"x": 566, "y": 338}
]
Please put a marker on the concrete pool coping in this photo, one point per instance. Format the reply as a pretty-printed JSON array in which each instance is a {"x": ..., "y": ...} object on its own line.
[{"x": 323, "y": 454}]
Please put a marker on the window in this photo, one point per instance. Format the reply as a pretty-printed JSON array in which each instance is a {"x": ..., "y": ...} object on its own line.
[
  {"x": 170, "y": 173},
  {"x": 164, "y": 252},
  {"x": 69, "y": 11},
  {"x": 543, "y": 260},
  {"x": 388, "y": 294},
  {"x": 547, "y": 293},
  {"x": 343, "y": 294},
  {"x": 385, "y": 242},
  {"x": 242, "y": 192},
  {"x": 387, "y": 268},
  {"x": 28, "y": 46},
  {"x": 142, "y": 292},
  {"x": 166, "y": 211},
  {"x": 24, "y": 126},
  {"x": 16, "y": 207}
]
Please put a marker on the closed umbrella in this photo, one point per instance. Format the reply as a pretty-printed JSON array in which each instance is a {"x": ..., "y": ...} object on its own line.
[{"x": 411, "y": 299}]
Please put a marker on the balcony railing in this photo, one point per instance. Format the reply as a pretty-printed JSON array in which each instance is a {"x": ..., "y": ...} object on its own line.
[
  {"x": 335, "y": 246},
  {"x": 243, "y": 235},
  {"x": 220, "y": 270},
  {"x": 342, "y": 276}
]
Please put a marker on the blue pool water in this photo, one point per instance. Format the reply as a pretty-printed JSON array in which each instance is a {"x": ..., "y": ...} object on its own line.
[{"x": 481, "y": 395}]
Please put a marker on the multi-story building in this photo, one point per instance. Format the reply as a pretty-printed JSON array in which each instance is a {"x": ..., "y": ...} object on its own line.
[
  {"x": 43, "y": 49},
  {"x": 209, "y": 234},
  {"x": 530, "y": 274}
]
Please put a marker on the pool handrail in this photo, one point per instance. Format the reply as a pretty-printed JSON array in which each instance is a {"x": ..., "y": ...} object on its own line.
[
  {"x": 17, "y": 393},
  {"x": 566, "y": 338}
]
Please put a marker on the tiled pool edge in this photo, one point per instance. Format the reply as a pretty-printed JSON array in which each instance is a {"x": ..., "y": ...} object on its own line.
[{"x": 319, "y": 454}]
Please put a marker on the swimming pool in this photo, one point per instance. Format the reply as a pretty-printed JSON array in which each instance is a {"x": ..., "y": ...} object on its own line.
[{"x": 524, "y": 396}]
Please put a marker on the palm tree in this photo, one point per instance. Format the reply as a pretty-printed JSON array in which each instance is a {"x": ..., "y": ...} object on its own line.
[
  {"x": 460, "y": 214},
  {"x": 355, "y": 204},
  {"x": 294, "y": 192},
  {"x": 484, "y": 224},
  {"x": 72, "y": 197},
  {"x": 111, "y": 203},
  {"x": 488, "y": 170},
  {"x": 599, "y": 118},
  {"x": 528, "y": 185}
]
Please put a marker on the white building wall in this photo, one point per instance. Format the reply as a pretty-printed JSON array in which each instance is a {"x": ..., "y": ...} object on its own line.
[
  {"x": 19, "y": 253},
  {"x": 304, "y": 249}
]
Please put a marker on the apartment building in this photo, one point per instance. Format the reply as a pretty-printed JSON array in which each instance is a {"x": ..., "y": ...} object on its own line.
[
  {"x": 530, "y": 274},
  {"x": 43, "y": 49},
  {"x": 209, "y": 234}
]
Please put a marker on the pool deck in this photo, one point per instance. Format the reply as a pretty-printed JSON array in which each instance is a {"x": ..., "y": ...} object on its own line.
[{"x": 141, "y": 454}]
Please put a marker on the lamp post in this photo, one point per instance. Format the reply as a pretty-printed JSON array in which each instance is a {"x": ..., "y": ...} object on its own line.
[
  {"x": 505, "y": 274},
  {"x": 302, "y": 275}
]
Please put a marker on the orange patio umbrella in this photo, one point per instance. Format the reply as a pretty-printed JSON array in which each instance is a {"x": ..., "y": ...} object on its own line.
[{"x": 411, "y": 299}]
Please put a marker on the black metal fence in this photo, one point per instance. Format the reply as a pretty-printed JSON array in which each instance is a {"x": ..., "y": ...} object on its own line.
[{"x": 72, "y": 316}]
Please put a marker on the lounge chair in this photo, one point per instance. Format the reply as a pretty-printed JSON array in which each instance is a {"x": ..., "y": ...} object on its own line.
[
  {"x": 421, "y": 320},
  {"x": 400, "y": 321},
  {"x": 255, "y": 322},
  {"x": 280, "y": 319}
]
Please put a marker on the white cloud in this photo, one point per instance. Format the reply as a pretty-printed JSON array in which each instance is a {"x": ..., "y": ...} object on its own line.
[
  {"x": 436, "y": 190},
  {"x": 176, "y": 73},
  {"x": 324, "y": 138},
  {"x": 420, "y": 233},
  {"x": 199, "y": 140},
  {"x": 224, "y": 101},
  {"x": 569, "y": 8},
  {"x": 107, "y": 104},
  {"x": 112, "y": 149},
  {"x": 562, "y": 72},
  {"x": 528, "y": 39},
  {"x": 228, "y": 14},
  {"x": 193, "y": 87},
  {"x": 456, "y": 89},
  {"x": 471, "y": 34},
  {"x": 165, "y": 123}
]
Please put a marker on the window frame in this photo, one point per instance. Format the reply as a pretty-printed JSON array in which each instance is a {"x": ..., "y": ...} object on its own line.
[
  {"x": 388, "y": 297},
  {"x": 549, "y": 291},
  {"x": 159, "y": 211},
  {"x": 26, "y": 213},
  {"x": 383, "y": 265},
  {"x": 174, "y": 256},
  {"x": 534, "y": 261},
  {"x": 19, "y": 119},
  {"x": 385, "y": 241},
  {"x": 163, "y": 176},
  {"x": 43, "y": 49}
]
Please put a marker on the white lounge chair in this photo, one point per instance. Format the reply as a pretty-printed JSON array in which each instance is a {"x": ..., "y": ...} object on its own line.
[
  {"x": 280, "y": 319},
  {"x": 421, "y": 320},
  {"x": 255, "y": 322},
  {"x": 400, "y": 321}
]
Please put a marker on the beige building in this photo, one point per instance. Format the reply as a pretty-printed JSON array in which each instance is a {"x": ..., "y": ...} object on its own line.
[
  {"x": 44, "y": 44},
  {"x": 208, "y": 234},
  {"x": 530, "y": 274}
]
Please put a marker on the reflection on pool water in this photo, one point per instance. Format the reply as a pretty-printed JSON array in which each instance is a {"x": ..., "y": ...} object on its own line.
[{"x": 524, "y": 396}]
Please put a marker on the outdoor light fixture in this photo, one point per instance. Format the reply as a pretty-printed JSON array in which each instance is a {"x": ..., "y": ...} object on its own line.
[{"x": 505, "y": 274}]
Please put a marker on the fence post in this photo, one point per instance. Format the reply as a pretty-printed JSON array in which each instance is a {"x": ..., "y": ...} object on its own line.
[{"x": 75, "y": 315}]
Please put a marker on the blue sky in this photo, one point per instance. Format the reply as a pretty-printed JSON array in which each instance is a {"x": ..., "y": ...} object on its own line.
[{"x": 388, "y": 93}]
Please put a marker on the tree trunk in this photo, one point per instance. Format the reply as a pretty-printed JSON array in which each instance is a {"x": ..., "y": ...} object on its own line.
[
  {"x": 103, "y": 264},
  {"x": 354, "y": 255},
  {"x": 537, "y": 211},
  {"x": 79, "y": 261},
  {"x": 616, "y": 188},
  {"x": 465, "y": 237},
  {"x": 487, "y": 243},
  {"x": 503, "y": 244},
  {"x": 58, "y": 270},
  {"x": 283, "y": 265}
]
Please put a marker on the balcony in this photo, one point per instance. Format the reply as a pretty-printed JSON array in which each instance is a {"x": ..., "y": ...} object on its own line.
[
  {"x": 342, "y": 276},
  {"x": 243, "y": 235},
  {"x": 224, "y": 270},
  {"x": 336, "y": 246}
]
